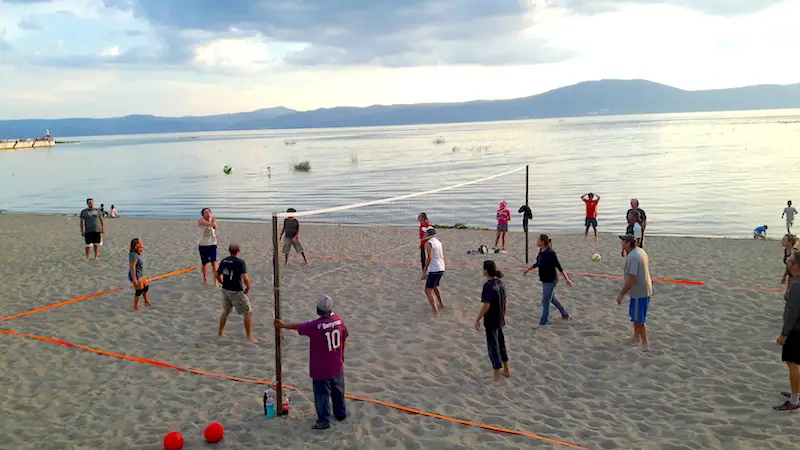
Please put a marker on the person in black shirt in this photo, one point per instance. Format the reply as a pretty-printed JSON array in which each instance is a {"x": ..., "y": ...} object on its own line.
[
  {"x": 291, "y": 227},
  {"x": 493, "y": 312},
  {"x": 641, "y": 216},
  {"x": 547, "y": 263},
  {"x": 231, "y": 272}
]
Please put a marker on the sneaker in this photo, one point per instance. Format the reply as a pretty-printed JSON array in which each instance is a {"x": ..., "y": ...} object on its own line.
[
  {"x": 321, "y": 426},
  {"x": 503, "y": 251},
  {"x": 494, "y": 249},
  {"x": 786, "y": 406}
]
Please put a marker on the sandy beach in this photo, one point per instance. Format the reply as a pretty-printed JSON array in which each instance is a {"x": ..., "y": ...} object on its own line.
[{"x": 710, "y": 381}]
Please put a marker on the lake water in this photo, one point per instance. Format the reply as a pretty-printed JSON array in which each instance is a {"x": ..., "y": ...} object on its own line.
[{"x": 712, "y": 174}]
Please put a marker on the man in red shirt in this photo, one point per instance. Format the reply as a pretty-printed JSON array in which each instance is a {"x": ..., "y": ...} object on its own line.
[
  {"x": 327, "y": 335},
  {"x": 424, "y": 225},
  {"x": 591, "y": 201}
]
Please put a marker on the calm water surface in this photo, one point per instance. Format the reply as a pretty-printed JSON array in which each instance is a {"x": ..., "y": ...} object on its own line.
[{"x": 717, "y": 174}]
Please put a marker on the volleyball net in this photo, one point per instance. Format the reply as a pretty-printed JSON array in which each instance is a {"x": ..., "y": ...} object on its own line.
[{"x": 377, "y": 240}]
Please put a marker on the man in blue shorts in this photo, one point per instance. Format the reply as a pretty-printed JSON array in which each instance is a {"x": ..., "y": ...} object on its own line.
[{"x": 638, "y": 286}]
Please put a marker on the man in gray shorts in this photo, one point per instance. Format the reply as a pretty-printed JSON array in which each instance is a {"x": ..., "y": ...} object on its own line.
[
  {"x": 231, "y": 272},
  {"x": 291, "y": 227},
  {"x": 92, "y": 228}
]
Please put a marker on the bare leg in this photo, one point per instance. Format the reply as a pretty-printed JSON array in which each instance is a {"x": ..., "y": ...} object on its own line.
[
  {"x": 222, "y": 320},
  {"x": 96, "y": 252},
  {"x": 286, "y": 260},
  {"x": 205, "y": 275},
  {"x": 136, "y": 303},
  {"x": 303, "y": 254},
  {"x": 635, "y": 339},
  {"x": 496, "y": 374},
  {"x": 595, "y": 234},
  {"x": 504, "y": 239},
  {"x": 497, "y": 239},
  {"x": 506, "y": 369},
  {"x": 248, "y": 326},
  {"x": 87, "y": 252},
  {"x": 438, "y": 293},
  {"x": 431, "y": 300},
  {"x": 794, "y": 377},
  {"x": 214, "y": 267},
  {"x": 645, "y": 340},
  {"x": 586, "y": 233},
  {"x": 146, "y": 295}
]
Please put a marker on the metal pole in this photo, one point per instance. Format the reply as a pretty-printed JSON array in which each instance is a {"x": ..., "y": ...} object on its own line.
[
  {"x": 276, "y": 294},
  {"x": 527, "y": 171}
]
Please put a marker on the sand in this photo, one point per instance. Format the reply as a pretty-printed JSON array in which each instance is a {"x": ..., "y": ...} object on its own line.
[{"x": 709, "y": 382}]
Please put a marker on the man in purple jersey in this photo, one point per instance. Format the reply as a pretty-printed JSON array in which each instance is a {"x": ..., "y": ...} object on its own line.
[{"x": 327, "y": 336}]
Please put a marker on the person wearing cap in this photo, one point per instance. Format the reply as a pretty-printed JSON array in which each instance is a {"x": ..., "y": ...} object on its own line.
[
  {"x": 503, "y": 217},
  {"x": 327, "y": 336},
  {"x": 434, "y": 269},
  {"x": 231, "y": 273},
  {"x": 638, "y": 286},
  {"x": 291, "y": 227}
]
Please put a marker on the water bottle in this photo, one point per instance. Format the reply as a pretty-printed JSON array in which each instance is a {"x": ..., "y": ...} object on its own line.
[
  {"x": 285, "y": 403},
  {"x": 269, "y": 405}
]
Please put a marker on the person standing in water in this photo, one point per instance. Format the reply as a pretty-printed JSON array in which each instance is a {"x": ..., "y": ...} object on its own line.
[
  {"x": 434, "y": 269},
  {"x": 503, "y": 217},
  {"x": 790, "y": 335},
  {"x": 136, "y": 273},
  {"x": 493, "y": 312},
  {"x": 207, "y": 244},
  {"x": 547, "y": 263},
  {"x": 591, "y": 202},
  {"x": 424, "y": 225},
  {"x": 789, "y": 212},
  {"x": 638, "y": 286}
]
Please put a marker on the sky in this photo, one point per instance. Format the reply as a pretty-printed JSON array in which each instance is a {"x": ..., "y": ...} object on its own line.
[{"x": 106, "y": 58}]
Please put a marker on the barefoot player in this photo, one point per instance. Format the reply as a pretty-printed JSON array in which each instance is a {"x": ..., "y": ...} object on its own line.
[
  {"x": 638, "y": 286},
  {"x": 591, "y": 213},
  {"x": 291, "y": 228},
  {"x": 231, "y": 273}
]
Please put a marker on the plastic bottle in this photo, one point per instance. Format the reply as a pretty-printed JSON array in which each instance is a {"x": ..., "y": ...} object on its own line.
[
  {"x": 269, "y": 405},
  {"x": 285, "y": 403}
]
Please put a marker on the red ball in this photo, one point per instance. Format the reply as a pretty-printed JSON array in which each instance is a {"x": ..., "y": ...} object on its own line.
[
  {"x": 173, "y": 441},
  {"x": 214, "y": 432}
]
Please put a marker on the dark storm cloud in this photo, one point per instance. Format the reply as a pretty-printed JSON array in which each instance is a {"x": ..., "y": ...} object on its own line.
[{"x": 359, "y": 32}]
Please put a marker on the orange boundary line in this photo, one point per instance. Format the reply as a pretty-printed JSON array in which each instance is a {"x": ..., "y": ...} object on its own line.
[
  {"x": 96, "y": 294},
  {"x": 269, "y": 383}
]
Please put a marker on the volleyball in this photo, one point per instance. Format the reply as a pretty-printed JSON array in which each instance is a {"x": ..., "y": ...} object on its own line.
[
  {"x": 596, "y": 257},
  {"x": 227, "y": 170}
]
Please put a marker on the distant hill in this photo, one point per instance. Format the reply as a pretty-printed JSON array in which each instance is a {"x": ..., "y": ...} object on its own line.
[{"x": 587, "y": 98}]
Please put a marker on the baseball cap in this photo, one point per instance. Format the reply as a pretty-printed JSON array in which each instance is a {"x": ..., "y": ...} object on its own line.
[
  {"x": 628, "y": 238},
  {"x": 324, "y": 305}
]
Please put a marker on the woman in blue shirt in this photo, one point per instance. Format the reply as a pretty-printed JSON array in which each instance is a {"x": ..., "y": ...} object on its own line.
[{"x": 547, "y": 263}]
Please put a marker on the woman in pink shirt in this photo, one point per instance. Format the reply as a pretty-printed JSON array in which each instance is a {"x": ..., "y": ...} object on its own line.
[{"x": 503, "y": 217}]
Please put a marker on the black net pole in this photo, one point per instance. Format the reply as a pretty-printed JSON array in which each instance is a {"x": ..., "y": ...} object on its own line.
[
  {"x": 276, "y": 293},
  {"x": 528, "y": 209}
]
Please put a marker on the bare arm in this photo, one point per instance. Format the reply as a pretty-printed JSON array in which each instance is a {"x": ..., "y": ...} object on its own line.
[
  {"x": 429, "y": 253},
  {"x": 286, "y": 326},
  {"x": 629, "y": 281},
  {"x": 102, "y": 225},
  {"x": 80, "y": 223},
  {"x": 297, "y": 235},
  {"x": 218, "y": 276},
  {"x": 792, "y": 311},
  {"x": 133, "y": 271},
  {"x": 505, "y": 305},
  {"x": 246, "y": 279}
]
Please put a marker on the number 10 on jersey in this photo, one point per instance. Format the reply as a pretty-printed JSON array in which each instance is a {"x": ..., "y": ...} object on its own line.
[{"x": 334, "y": 339}]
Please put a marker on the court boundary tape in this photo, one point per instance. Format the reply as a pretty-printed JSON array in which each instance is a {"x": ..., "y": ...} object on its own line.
[
  {"x": 270, "y": 383},
  {"x": 96, "y": 294}
]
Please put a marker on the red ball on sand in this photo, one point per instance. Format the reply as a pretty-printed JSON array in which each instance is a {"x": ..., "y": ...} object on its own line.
[
  {"x": 173, "y": 441},
  {"x": 214, "y": 432}
]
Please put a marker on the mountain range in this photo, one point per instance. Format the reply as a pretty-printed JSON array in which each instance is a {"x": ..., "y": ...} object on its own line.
[{"x": 587, "y": 98}]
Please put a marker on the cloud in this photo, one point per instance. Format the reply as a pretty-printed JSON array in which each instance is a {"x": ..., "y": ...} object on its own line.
[
  {"x": 24, "y": 2},
  {"x": 364, "y": 32},
  {"x": 29, "y": 25},
  {"x": 712, "y": 7}
]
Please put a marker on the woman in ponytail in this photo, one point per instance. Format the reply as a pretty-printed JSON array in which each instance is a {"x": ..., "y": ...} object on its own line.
[
  {"x": 493, "y": 313},
  {"x": 547, "y": 263}
]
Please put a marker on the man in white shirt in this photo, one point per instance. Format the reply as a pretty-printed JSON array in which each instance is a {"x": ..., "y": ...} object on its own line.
[
  {"x": 434, "y": 269},
  {"x": 789, "y": 212}
]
